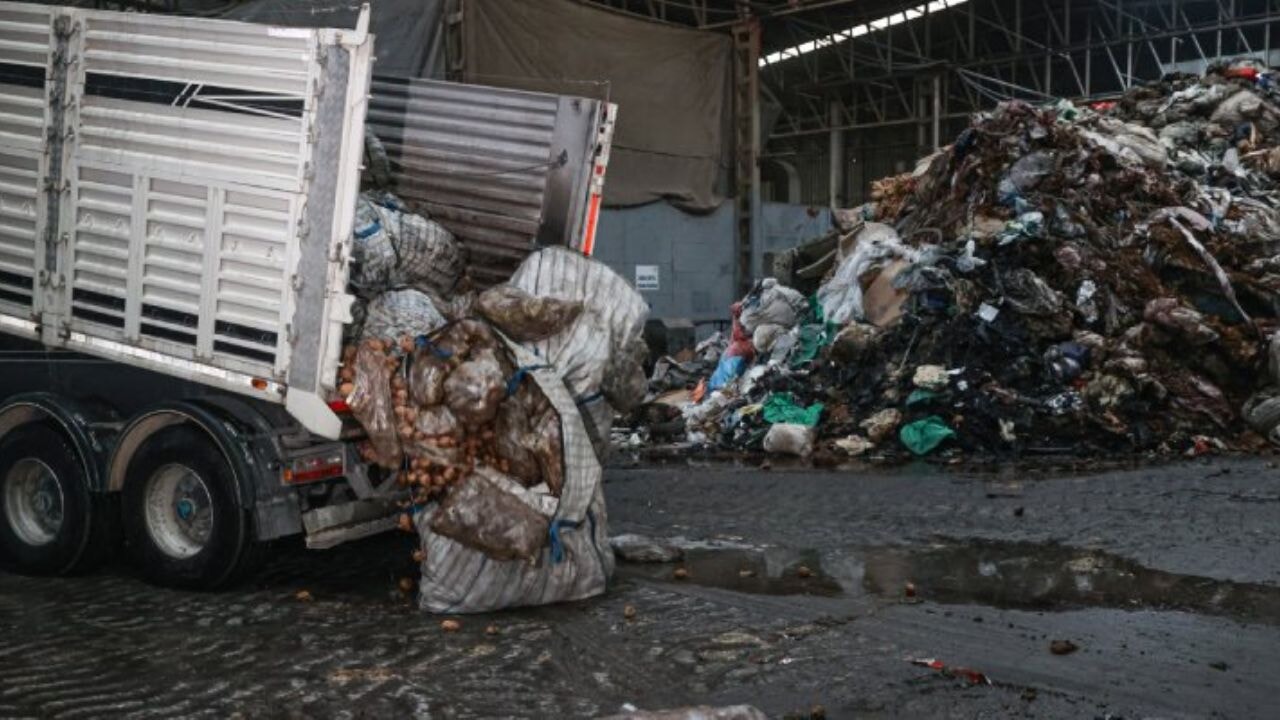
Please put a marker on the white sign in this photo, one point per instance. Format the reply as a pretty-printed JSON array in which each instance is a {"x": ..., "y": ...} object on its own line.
[{"x": 647, "y": 277}]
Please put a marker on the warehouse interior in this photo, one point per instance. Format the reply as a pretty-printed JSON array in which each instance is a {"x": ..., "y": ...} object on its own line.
[
  {"x": 639, "y": 359},
  {"x": 742, "y": 123}
]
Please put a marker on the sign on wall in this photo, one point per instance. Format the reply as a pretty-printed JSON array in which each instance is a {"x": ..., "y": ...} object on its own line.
[{"x": 647, "y": 277}]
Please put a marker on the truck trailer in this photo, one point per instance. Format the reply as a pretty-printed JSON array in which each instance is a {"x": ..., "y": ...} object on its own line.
[{"x": 176, "y": 205}]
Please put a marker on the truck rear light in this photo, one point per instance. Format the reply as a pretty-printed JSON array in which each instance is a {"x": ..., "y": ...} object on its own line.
[
  {"x": 315, "y": 467},
  {"x": 593, "y": 216}
]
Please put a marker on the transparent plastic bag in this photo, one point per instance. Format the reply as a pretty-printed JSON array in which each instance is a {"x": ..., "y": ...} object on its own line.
[
  {"x": 479, "y": 514},
  {"x": 371, "y": 401},
  {"x": 511, "y": 427},
  {"x": 524, "y": 317},
  {"x": 475, "y": 388},
  {"x": 426, "y": 377},
  {"x": 544, "y": 441}
]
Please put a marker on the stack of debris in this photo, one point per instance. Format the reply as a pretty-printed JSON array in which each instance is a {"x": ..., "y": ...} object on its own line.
[
  {"x": 1058, "y": 280},
  {"x": 490, "y": 411}
]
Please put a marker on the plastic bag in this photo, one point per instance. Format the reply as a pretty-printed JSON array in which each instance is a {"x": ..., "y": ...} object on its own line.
[
  {"x": 730, "y": 367},
  {"x": 371, "y": 402},
  {"x": 789, "y": 439},
  {"x": 399, "y": 313},
  {"x": 782, "y": 408},
  {"x": 841, "y": 296},
  {"x": 524, "y": 317},
  {"x": 766, "y": 335},
  {"x": 544, "y": 442},
  {"x": 511, "y": 427},
  {"x": 772, "y": 304},
  {"x": 475, "y": 388},
  {"x": 1262, "y": 413},
  {"x": 922, "y": 436},
  {"x": 480, "y": 515},
  {"x": 394, "y": 248},
  {"x": 427, "y": 374}
]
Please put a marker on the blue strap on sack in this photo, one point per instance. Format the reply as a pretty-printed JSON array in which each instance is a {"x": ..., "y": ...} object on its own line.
[
  {"x": 553, "y": 533},
  {"x": 521, "y": 373}
]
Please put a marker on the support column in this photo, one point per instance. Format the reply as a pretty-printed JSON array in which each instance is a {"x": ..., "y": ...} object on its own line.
[
  {"x": 835, "y": 156},
  {"x": 747, "y": 142},
  {"x": 937, "y": 112}
]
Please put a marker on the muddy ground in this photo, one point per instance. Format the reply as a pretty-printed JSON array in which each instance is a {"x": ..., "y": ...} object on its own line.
[{"x": 1167, "y": 580}]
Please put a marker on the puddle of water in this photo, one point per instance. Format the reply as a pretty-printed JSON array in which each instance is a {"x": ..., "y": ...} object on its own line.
[
  {"x": 771, "y": 571},
  {"x": 999, "y": 574},
  {"x": 1055, "y": 577}
]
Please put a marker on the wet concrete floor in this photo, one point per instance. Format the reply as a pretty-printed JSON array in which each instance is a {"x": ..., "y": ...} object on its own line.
[{"x": 798, "y": 588}]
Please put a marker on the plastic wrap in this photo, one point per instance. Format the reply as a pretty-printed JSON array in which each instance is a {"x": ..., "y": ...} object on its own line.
[
  {"x": 475, "y": 388},
  {"x": 772, "y": 304},
  {"x": 371, "y": 402},
  {"x": 480, "y": 515},
  {"x": 544, "y": 442},
  {"x": 399, "y": 313},
  {"x": 395, "y": 248},
  {"x": 524, "y": 317},
  {"x": 841, "y": 296},
  {"x": 426, "y": 377},
  {"x": 511, "y": 428},
  {"x": 789, "y": 439}
]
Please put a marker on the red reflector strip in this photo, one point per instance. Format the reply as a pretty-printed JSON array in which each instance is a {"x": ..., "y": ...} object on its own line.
[
  {"x": 593, "y": 214},
  {"x": 321, "y": 473}
]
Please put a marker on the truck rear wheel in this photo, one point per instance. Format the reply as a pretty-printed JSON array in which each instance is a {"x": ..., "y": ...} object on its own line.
[
  {"x": 184, "y": 523},
  {"x": 50, "y": 523}
]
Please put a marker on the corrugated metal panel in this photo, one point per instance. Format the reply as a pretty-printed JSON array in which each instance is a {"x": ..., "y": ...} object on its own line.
[
  {"x": 221, "y": 54},
  {"x": 476, "y": 159},
  {"x": 24, "y": 55}
]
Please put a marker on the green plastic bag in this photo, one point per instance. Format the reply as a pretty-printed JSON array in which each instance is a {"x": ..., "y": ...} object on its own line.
[
  {"x": 782, "y": 408},
  {"x": 812, "y": 338},
  {"x": 922, "y": 436},
  {"x": 920, "y": 395}
]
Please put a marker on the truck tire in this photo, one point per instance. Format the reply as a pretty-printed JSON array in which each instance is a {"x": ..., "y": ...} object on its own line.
[
  {"x": 184, "y": 523},
  {"x": 50, "y": 522}
]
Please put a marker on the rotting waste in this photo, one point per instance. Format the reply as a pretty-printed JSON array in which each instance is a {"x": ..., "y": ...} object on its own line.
[
  {"x": 1059, "y": 280},
  {"x": 486, "y": 414}
]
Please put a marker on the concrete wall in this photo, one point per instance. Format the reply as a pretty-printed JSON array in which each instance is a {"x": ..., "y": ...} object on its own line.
[
  {"x": 786, "y": 225},
  {"x": 694, "y": 253}
]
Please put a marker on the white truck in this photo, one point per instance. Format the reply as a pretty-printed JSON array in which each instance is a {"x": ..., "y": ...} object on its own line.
[{"x": 176, "y": 206}]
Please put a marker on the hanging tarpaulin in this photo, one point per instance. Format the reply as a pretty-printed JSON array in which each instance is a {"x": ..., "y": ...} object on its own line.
[{"x": 671, "y": 86}]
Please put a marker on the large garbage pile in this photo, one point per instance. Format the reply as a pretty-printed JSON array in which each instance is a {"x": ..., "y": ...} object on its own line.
[
  {"x": 1058, "y": 280},
  {"x": 489, "y": 410}
]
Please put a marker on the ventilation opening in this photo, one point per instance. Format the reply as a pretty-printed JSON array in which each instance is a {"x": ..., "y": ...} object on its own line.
[
  {"x": 92, "y": 298},
  {"x": 167, "y": 334},
  {"x": 248, "y": 353},
  {"x": 97, "y": 317},
  {"x": 245, "y": 333},
  {"x": 173, "y": 317}
]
